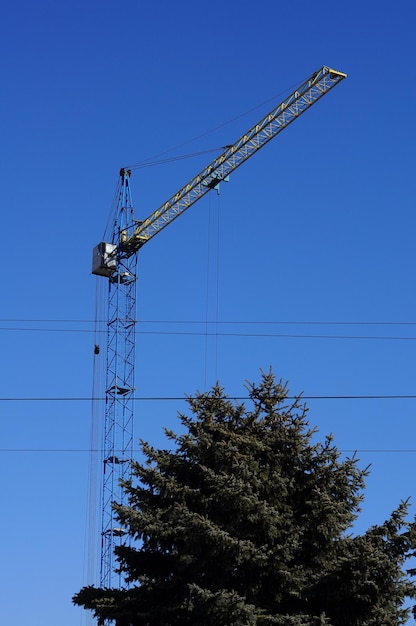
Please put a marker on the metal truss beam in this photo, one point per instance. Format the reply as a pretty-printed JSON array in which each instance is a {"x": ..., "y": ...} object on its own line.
[
  {"x": 120, "y": 389},
  {"x": 312, "y": 90}
]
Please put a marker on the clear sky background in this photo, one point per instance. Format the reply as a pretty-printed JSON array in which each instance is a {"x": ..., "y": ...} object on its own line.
[{"x": 305, "y": 262}]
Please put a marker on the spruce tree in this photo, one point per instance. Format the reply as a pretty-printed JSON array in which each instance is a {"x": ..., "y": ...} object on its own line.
[{"x": 247, "y": 520}]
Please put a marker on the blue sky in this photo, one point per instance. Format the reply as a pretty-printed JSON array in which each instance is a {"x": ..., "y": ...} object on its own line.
[{"x": 314, "y": 235}]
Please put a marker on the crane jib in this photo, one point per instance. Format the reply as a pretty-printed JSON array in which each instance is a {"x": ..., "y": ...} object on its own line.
[
  {"x": 136, "y": 234},
  {"x": 312, "y": 90}
]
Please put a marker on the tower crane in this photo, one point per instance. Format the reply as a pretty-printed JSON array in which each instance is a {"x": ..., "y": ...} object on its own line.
[{"x": 116, "y": 260}]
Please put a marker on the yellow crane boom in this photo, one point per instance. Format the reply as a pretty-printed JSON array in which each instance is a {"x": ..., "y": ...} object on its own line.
[{"x": 312, "y": 90}]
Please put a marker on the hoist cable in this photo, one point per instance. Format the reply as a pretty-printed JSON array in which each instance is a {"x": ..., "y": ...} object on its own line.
[
  {"x": 217, "y": 294},
  {"x": 208, "y": 263},
  {"x": 92, "y": 524}
]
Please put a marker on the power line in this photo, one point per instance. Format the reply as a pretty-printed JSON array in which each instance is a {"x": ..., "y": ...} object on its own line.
[
  {"x": 220, "y": 334},
  {"x": 257, "y": 322},
  {"x": 205, "y": 324},
  {"x": 184, "y": 398},
  {"x": 99, "y": 451}
]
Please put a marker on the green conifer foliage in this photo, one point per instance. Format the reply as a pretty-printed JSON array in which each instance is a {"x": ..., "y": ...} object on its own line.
[{"x": 247, "y": 521}]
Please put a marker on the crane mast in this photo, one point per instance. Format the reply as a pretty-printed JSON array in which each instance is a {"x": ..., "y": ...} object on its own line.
[
  {"x": 117, "y": 261},
  {"x": 120, "y": 269}
]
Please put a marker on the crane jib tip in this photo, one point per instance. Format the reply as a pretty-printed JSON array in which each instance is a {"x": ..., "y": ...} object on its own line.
[{"x": 337, "y": 73}]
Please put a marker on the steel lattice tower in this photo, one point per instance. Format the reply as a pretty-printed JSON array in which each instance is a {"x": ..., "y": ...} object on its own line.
[{"x": 119, "y": 402}]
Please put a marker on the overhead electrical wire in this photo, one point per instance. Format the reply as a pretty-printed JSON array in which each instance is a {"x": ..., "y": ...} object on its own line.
[
  {"x": 88, "y": 450},
  {"x": 204, "y": 333},
  {"x": 168, "y": 321},
  {"x": 100, "y": 327},
  {"x": 229, "y": 397}
]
